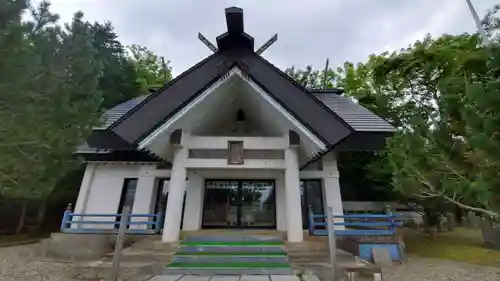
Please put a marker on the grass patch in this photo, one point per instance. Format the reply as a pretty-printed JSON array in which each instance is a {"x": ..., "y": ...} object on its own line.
[
  {"x": 230, "y": 265},
  {"x": 246, "y": 254},
  {"x": 461, "y": 244},
  {"x": 232, "y": 243}
]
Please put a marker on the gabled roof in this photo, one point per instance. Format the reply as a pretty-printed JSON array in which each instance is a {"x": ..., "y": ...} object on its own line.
[
  {"x": 330, "y": 117},
  {"x": 358, "y": 117},
  {"x": 111, "y": 115}
]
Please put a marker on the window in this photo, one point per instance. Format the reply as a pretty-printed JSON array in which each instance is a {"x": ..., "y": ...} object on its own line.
[
  {"x": 128, "y": 193},
  {"x": 235, "y": 152},
  {"x": 312, "y": 198}
]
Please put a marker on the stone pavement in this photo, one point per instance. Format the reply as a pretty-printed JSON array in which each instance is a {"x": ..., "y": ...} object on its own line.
[{"x": 225, "y": 278}]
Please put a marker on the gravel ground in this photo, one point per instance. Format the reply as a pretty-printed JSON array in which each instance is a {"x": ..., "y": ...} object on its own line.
[
  {"x": 18, "y": 263},
  {"x": 419, "y": 269}
]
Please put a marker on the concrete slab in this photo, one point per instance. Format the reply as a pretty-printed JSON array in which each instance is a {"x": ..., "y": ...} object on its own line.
[
  {"x": 381, "y": 256},
  {"x": 284, "y": 278},
  {"x": 254, "y": 278},
  {"x": 225, "y": 278},
  {"x": 166, "y": 278},
  {"x": 195, "y": 278}
]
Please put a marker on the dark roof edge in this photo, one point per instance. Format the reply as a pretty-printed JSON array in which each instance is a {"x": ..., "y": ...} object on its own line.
[
  {"x": 327, "y": 91},
  {"x": 296, "y": 84},
  {"x": 157, "y": 92},
  {"x": 180, "y": 107},
  {"x": 322, "y": 153}
]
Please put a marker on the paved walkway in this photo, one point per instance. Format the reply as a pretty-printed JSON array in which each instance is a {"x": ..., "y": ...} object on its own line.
[{"x": 225, "y": 278}]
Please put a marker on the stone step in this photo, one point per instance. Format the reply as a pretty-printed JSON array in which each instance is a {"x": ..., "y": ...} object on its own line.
[
  {"x": 228, "y": 271},
  {"x": 229, "y": 249},
  {"x": 103, "y": 269},
  {"x": 233, "y": 238},
  {"x": 141, "y": 256},
  {"x": 155, "y": 245},
  {"x": 229, "y": 259}
]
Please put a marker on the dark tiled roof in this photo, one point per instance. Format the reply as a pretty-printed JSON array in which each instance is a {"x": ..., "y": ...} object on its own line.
[
  {"x": 113, "y": 114},
  {"x": 358, "y": 117}
]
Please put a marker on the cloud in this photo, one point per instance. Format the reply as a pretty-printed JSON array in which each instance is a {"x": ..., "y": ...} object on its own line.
[{"x": 308, "y": 31}]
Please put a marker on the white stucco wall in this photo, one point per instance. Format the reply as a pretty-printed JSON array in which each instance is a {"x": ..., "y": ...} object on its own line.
[
  {"x": 102, "y": 195},
  {"x": 102, "y": 185}
]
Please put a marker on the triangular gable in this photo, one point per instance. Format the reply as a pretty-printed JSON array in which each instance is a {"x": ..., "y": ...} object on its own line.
[
  {"x": 235, "y": 49},
  {"x": 159, "y": 107}
]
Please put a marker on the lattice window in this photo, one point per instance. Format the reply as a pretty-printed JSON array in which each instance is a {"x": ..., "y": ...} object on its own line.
[{"x": 235, "y": 152}]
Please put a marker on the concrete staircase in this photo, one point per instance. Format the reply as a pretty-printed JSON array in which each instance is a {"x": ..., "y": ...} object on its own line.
[
  {"x": 230, "y": 254},
  {"x": 145, "y": 257},
  {"x": 314, "y": 256}
]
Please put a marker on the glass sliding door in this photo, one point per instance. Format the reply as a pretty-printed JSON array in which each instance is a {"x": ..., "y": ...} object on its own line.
[
  {"x": 258, "y": 204},
  {"x": 127, "y": 196},
  {"x": 220, "y": 207},
  {"x": 162, "y": 187},
  {"x": 239, "y": 203}
]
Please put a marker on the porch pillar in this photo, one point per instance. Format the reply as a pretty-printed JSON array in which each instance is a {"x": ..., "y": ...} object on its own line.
[
  {"x": 292, "y": 192},
  {"x": 331, "y": 186},
  {"x": 194, "y": 202},
  {"x": 144, "y": 196},
  {"x": 177, "y": 186}
]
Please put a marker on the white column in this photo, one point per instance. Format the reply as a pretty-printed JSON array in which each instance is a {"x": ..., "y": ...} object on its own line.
[
  {"x": 177, "y": 186},
  {"x": 292, "y": 192},
  {"x": 280, "y": 203},
  {"x": 144, "y": 196},
  {"x": 331, "y": 187},
  {"x": 194, "y": 202}
]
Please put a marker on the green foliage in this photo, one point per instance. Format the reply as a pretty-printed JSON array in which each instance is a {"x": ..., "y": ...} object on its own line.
[
  {"x": 444, "y": 96},
  {"x": 56, "y": 80},
  {"x": 152, "y": 72},
  {"x": 48, "y": 98}
]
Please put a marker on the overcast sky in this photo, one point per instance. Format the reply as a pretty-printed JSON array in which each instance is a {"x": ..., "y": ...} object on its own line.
[{"x": 308, "y": 31}]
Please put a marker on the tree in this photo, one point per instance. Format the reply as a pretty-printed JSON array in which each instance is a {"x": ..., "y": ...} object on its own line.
[
  {"x": 118, "y": 80},
  {"x": 48, "y": 98},
  {"x": 442, "y": 95},
  {"x": 152, "y": 71}
]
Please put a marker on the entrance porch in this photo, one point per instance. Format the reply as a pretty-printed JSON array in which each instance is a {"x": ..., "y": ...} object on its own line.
[{"x": 207, "y": 198}]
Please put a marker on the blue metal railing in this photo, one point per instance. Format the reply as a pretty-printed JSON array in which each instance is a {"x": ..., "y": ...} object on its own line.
[
  {"x": 371, "y": 223},
  {"x": 71, "y": 225}
]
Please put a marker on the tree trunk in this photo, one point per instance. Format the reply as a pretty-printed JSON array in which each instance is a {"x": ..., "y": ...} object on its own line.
[
  {"x": 41, "y": 214},
  {"x": 20, "y": 224}
]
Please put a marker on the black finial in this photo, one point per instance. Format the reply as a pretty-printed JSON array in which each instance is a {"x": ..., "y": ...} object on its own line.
[
  {"x": 235, "y": 37},
  {"x": 234, "y": 20}
]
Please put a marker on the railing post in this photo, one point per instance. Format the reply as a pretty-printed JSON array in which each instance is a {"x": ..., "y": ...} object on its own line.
[
  {"x": 310, "y": 219},
  {"x": 332, "y": 242},
  {"x": 66, "y": 223},
  {"x": 390, "y": 219},
  {"x": 158, "y": 222},
  {"x": 119, "y": 242}
]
